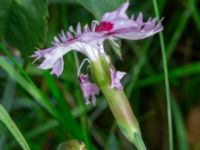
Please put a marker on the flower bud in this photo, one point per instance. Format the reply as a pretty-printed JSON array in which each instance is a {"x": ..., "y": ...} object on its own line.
[{"x": 118, "y": 103}]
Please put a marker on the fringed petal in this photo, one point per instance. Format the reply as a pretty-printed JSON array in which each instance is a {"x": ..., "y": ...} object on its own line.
[{"x": 118, "y": 24}]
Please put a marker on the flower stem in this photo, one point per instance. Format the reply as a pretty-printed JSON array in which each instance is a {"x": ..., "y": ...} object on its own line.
[
  {"x": 118, "y": 103},
  {"x": 167, "y": 88}
]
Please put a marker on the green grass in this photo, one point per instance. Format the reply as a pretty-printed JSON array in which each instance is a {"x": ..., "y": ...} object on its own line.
[
  {"x": 167, "y": 88},
  {"x": 8, "y": 122}
]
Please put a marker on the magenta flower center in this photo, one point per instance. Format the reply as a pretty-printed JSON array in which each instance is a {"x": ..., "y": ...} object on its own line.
[{"x": 104, "y": 26}]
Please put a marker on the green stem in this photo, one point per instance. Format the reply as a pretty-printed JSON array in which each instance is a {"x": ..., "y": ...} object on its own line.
[
  {"x": 118, "y": 103},
  {"x": 167, "y": 89}
]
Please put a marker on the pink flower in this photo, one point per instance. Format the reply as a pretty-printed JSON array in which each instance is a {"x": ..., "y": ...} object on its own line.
[
  {"x": 89, "y": 41},
  {"x": 118, "y": 24},
  {"x": 88, "y": 89},
  {"x": 116, "y": 76}
]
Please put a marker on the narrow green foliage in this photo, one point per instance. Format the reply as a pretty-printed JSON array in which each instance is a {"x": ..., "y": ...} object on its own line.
[
  {"x": 137, "y": 68},
  {"x": 183, "y": 71},
  {"x": 6, "y": 119},
  {"x": 179, "y": 126},
  {"x": 183, "y": 21},
  {"x": 167, "y": 88},
  {"x": 195, "y": 13},
  {"x": 116, "y": 49}
]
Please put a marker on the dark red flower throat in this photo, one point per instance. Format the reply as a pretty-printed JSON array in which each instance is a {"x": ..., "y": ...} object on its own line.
[{"x": 104, "y": 26}]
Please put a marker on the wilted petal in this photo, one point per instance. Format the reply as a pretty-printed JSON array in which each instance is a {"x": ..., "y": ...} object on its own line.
[
  {"x": 90, "y": 90},
  {"x": 116, "y": 76}
]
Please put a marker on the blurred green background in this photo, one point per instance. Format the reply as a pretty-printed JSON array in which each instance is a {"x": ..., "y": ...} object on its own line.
[{"x": 50, "y": 110}]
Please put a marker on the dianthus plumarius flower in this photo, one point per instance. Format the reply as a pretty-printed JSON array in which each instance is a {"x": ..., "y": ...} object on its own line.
[{"x": 89, "y": 41}]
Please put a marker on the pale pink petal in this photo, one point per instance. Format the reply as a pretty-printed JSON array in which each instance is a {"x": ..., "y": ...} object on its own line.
[
  {"x": 139, "y": 20},
  {"x": 46, "y": 64},
  {"x": 58, "y": 67},
  {"x": 78, "y": 29},
  {"x": 87, "y": 43},
  {"x": 90, "y": 90},
  {"x": 116, "y": 77},
  {"x": 118, "y": 24},
  {"x": 120, "y": 13},
  {"x": 69, "y": 35},
  {"x": 146, "y": 30}
]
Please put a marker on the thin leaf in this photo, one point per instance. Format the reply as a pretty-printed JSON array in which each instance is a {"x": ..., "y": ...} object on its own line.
[
  {"x": 6, "y": 119},
  {"x": 180, "y": 127},
  {"x": 167, "y": 88}
]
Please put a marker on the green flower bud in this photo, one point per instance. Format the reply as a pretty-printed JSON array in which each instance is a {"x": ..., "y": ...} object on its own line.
[{"x": 118, "y": 103}]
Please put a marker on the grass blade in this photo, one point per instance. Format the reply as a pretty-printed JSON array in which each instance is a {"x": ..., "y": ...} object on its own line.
[
  {"x": 195, "y": 13},
  {"x": 167, "y": 88},
  {"x": 183, "y": 21},
  {"x": 180, "y": 126},
  {"x": 6, "y": 119},
  {"x": 137, "y": 69},
  {"x": 178, "y": 72}
]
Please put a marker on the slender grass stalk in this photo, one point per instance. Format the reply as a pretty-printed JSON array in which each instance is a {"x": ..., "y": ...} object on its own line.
[
  {"x": 183, "y": 21},
  {"x": 137, "y": 69},
  {"x": 183, "y": 71},
  {"x": 181, "y": 133},
  {"x": 167, "y": 88},
  {"x": 195, "y": 13},
  {"x": 6, "y": 119}
]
